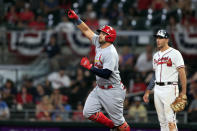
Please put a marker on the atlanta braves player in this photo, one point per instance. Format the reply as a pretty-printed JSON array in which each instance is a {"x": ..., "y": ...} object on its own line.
[
  {"x": 168, "y": 64},
  {"x": 109, "y": 92}
]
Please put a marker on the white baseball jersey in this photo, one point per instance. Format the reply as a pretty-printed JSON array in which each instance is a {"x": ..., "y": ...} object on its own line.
[
  {"x": 166, "y": 64},
  {"x": 110, "y": 99}
]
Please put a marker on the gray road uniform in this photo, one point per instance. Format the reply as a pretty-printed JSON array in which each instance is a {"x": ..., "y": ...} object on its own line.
[{"x": 109, "y": 93}]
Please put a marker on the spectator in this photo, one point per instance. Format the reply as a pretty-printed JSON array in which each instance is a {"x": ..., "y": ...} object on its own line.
[
  {"x": 137, "y": 112},
  {"x": 40, "y": 93},
  {"x": 81, "y": 85},
  {"x": 24, "y": 99},
  {"x": 65, "y": 25},
  {"x": 193, "y": 77},
  {"x": 189, "y": 21},
  {"x": 53, "y": 51},
  {"x": 126, "y": 104},
  {"x": 31, "y": 89},
  {"x": 56, "y": 97},
  {"x": 126, "y": 58},
  {"x": 172, "y": 24},
  {"x": 192, "y": 116},
  {"x": 78, "y": 114},
  {"x": 56, "y": 100},
  {"x": 47, "y": 87},
  {"x": 59, "y": 79},
  {"x": 144, "y": 61},
  {"x": 26, "y": 15},
  {"x": 37, "y": 24},
  {"x": 139, "y": 85},
  {"x": 67, "y": 108},
  {"x": 12, "y": 15},
  {"x": 44, "y": 109},
  {"x": 79, "y": 77},
  {"x": 91, "y": 21},
  {"x": 126, "y": 65},
  {"x": 74, "y": 94},
  {"x": 62, "y": 109},
  {"x": 103, "y": 13},
  {"x": 103, "y": 17},
  {"x": 4, "y": 109},
  {"x": 114, "y": 13},
  {"x": 21, "y": 25},
  {"x": 89, "y": 10},
  {"x": 132, "y": 13},
  {"x": 9, "y": 92}
]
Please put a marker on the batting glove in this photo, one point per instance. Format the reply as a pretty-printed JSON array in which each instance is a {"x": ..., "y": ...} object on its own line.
[
  {"x": 72, "y": 14},
  {"x": 86, "y": 63}
]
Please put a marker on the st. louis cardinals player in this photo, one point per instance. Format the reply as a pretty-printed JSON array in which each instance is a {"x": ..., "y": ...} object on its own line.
[
  {"x": 109, "y": 92},
  {"x": 168, "y": 64}
]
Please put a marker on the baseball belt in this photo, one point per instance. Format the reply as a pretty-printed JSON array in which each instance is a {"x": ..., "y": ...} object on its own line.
[{"x": 166, "y": 83}]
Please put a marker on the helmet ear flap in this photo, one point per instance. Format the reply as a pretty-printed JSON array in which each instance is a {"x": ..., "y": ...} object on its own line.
[
  {"x": 110, "y": 38},
  {"x": 107, "y": 38}
]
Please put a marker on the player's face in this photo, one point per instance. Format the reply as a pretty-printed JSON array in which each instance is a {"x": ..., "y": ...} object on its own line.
[
  {"x": 161, "y": 42},
  {"x": 102, "y": 37}
]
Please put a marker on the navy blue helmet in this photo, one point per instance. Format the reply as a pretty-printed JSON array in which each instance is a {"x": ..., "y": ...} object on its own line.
[{"x": 162, "y": 34}]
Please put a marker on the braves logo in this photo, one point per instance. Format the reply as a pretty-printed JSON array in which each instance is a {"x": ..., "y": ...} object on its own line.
[
  {"x": 163, "y": 60},
  {"x": 169, "y": 62}
]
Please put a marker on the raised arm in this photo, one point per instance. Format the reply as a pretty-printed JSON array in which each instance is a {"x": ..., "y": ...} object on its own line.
[{"x": 80, "y": 24}]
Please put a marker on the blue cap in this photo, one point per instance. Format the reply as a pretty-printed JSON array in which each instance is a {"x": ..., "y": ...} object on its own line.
[{"x": 162, "y": 33}]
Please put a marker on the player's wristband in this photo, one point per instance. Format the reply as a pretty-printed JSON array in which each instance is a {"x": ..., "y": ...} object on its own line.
[
  {"x": 78, "y": 21},
  {"x": 151, "y": 83}
]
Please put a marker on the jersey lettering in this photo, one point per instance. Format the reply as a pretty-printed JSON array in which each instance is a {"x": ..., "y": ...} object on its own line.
[{"x": 163, "y": 60}]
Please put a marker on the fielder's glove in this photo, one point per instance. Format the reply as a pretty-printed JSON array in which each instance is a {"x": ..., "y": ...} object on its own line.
[{"x": 179, "y": 103}]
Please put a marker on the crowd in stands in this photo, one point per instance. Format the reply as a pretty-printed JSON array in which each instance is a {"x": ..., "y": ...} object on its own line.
[
  {"x": 61, "y": 96},
  {"x": 124, "y": 14}
]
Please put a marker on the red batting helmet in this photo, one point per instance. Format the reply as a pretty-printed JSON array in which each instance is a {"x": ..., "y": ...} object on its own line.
[{"x": 110, "y": 31}]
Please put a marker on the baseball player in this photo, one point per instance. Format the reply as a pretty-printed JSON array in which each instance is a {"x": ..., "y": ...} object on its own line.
[
  {"x": 109, "y": 92},
  {"x": 167, "y": 64}
]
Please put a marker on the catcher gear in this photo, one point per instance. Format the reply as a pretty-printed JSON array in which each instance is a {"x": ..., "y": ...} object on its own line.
[
  {"x": 111, "y": 33},
  {"x": 86, "y": 63},
  {"x": 72, "y": 14},
  {"x": 179, "y": 103}
]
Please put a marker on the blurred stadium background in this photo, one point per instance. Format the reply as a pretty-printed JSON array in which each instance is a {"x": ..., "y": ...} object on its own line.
[{"x": 42, "y": 86}]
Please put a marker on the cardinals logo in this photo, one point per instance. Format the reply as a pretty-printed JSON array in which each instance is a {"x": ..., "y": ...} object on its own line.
[{"x": 169, "y": 62}]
